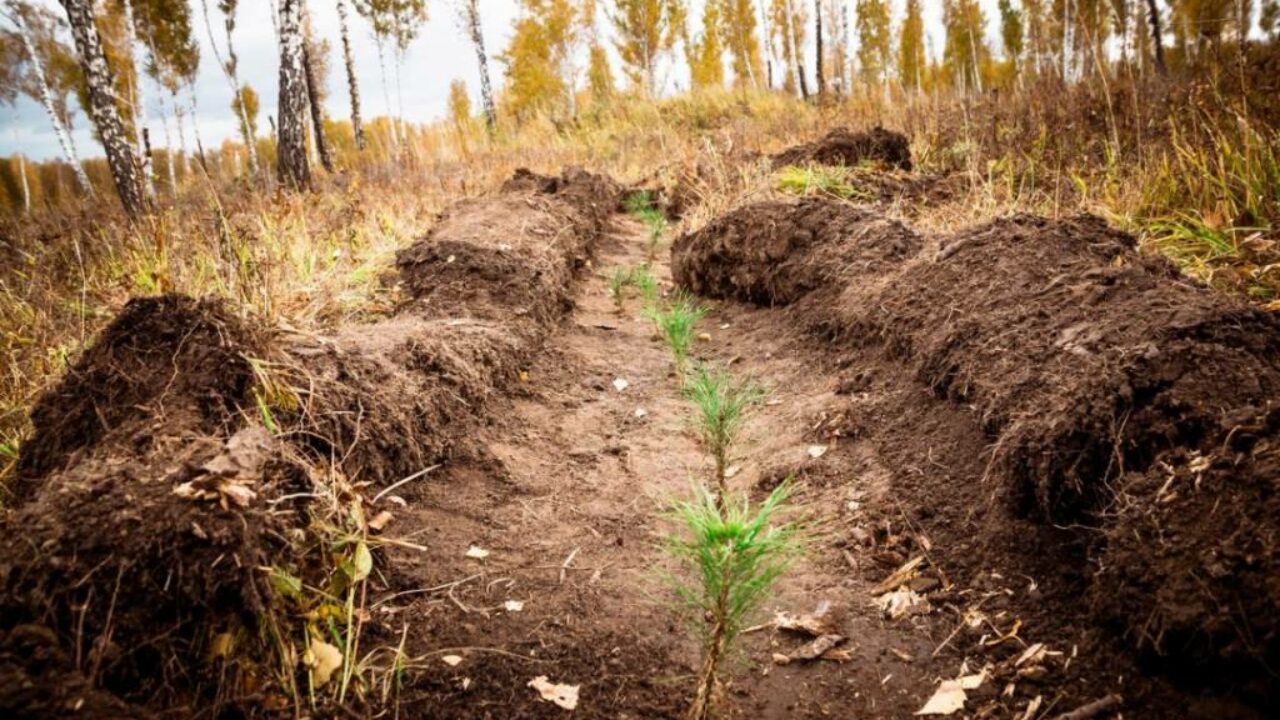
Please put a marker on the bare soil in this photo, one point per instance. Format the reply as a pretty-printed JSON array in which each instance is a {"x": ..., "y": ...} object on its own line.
[{"x": 1071, "y": 449}]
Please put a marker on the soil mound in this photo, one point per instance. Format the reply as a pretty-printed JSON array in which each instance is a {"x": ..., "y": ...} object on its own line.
[
  {"x": 776, "y": 252},
  {"x": 487, "y": 284},
  {"x": 115, "y": 561},
  {"x": 842, "y": 146},
  {"x": 151, "y": 498},
  {"x": 168, "y": 355},
  {"x": 1115, "y": 394}
]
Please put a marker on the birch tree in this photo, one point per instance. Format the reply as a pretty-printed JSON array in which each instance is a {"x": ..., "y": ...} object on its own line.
[
  {"x": 353, "y": 87},
  {"x": 102, "y": 108},
  {"x": 314, "y": 63},
  {"x": 230, "y": 70},
  {"x": 471, "y": 19},
  {"x": 291, "y": 145},
  {"x": 37, "y": 85}
]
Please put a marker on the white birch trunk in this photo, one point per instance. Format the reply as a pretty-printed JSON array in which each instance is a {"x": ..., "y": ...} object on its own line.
[{"x": 65, "y": 141}]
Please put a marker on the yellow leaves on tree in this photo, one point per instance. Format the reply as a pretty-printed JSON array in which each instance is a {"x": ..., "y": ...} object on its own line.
[
  {"x": 706, "y": 57},
  {"x": 535, "y": 60},
  {"x": 646, "y": 30}
]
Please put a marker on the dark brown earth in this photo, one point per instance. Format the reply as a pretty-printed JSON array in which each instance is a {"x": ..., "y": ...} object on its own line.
[
  {"x": 842, "y": 146},
  {"x": 1073, "y": 446},
  {"x": 1122, "y": 417}
]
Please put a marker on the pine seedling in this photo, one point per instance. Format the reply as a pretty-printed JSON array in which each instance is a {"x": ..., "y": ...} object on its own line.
[
  {"x": 618, "y": 281},
  {"x": 721, "y": 403},
  {"x": 640, "y": 206},
  {"x": 677, "y": 325},
  {"x": 644, "y": 281},
  {"x": 732, "y": 554}
]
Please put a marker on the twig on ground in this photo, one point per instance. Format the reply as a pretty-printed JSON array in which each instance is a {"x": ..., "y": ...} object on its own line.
[
  {"x": 1093, "y": 709},
  {"x": 398, "y": 483}
]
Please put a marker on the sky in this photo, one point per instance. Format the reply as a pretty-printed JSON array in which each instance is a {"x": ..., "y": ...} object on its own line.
[{"x": 441, "y": 54}]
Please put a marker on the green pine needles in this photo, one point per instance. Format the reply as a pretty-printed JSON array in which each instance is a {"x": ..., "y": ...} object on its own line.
[
  {"x": 731, "y": 551},
  {"x": 677, "y": 325},
  {"x": 640, "y": 205},
  {"x": 734, "y": 554},
  {"x": 721, "y": 403}
]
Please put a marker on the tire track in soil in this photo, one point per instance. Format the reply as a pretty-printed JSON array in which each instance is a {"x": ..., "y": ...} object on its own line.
[{"x": 567, "y": 499}]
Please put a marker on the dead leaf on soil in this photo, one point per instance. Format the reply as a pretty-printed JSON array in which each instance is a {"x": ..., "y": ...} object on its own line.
[
  {"x": 323, "y": 659},
  {"x": 816, "y": 648},
  {"x": 380, "y": 521},
  {"x": 475, "y": 552},
  {"x": 566, "y": 696},
  {"x": 950, "y": 696},
  {"x": 227, "y": 477},
  {"x": 815, "y": 623},
  {"x": 900, "y": 603}
]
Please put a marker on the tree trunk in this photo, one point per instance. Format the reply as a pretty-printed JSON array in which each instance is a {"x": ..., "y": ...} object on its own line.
[
  {"x": 102, "y": 107},
  {"x": 386, "y": 94},
  {"x": 486, "y": 90},
  {"x": 1153, "y": 14},
  {"x": 26, "y": 188},
  {"x": 797, "y": 51},
  {"x": 46, "y": 98},
  {"x": 230, "y": 71},
  {"x": 291, "y": 145},
  {"x": 317, "y": 112},
  {"x": 353, "y": 87},
  {"x": 817, "y": 23},
  {"x": 139, "y": 102}
]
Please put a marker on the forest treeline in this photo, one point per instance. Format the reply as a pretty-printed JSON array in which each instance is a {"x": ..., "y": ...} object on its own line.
[{"x": 130, "y": 66}]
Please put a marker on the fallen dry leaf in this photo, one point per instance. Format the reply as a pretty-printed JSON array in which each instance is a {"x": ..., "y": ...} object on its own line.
[
  {"x": 899, "y": 603},
  {"x": 323, "y": 659},
  {"x": 566, "y": 696},
  {"x": 946, "y": 700},
  {"x": 950, "y": 695},
  {"x": 380, "y": 521},
  {"x": 817, "y": 647},
  {"x": 815, "y": 623}
]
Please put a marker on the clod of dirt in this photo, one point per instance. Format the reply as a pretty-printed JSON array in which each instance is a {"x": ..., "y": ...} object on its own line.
[
  {"x": 1113, "y": 394},
  {"x": 775, "y": 252},
  {"x": 842, "y": 146},
  {"x": 168, "y": 355}
]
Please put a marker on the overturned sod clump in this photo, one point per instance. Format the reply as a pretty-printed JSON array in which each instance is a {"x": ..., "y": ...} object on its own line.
[
  {"x": 177, "y": 554},
  {"x": 775, "y": 252},
  {"x": 842, "y": 146},
  {"x": 1115, "y": 396}
]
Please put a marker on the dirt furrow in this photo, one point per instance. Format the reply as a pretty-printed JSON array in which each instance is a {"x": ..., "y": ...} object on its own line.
[{"x": 567, "y": 498}]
